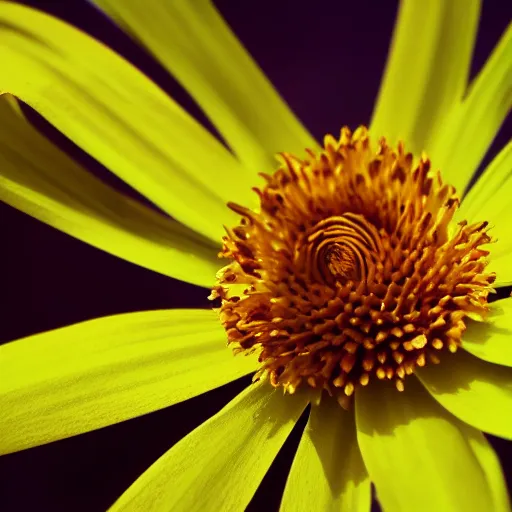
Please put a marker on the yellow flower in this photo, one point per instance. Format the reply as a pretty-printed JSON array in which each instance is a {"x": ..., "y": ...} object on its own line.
[{"x": 422, "y": 445}]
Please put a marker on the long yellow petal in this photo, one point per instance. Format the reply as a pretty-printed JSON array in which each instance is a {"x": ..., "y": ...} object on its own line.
[
  {"x": 197, "y": 46},
  {"x": 469, "y": 129},
  {"x": 492, "y": 191},
  {"x": 100, "y": 372},
  {"x": 328, "y": 473},
  {"x": 490, "y": 464},
  {"x": 219, "y": 465},
  {"x": 38, "y": 179},
  {"x": 115, "y": 113},
  {"x": 427, "y": 69},
  {"x": 422, "y": 458},
  {"x": 492, "y": 340},
  {"x": 490, "y": 199},
  {"x": 477, "y": 392}
]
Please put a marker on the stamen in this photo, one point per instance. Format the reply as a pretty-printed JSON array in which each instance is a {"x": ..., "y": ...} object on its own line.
[{"x": 347, "y": 272}]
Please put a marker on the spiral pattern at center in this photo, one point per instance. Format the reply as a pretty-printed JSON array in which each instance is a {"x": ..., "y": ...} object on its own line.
[{"x": 339, "y": 249}]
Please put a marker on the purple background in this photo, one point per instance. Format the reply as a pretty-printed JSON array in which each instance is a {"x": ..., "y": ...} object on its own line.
[{"x": 326, "y": 58}]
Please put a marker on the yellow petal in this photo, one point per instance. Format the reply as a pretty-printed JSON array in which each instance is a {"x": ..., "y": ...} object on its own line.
[
  {"x": 38, "y": 179},
  {"x": 427, "y": 69},
  {"x": 502, "y": 268},
  {"x": 93, "y": 374},
  {"x": 477, "y": 392},
  {"x": 492, "y": 340},
  {"x": 219, "y": 465},
  {"x": 120, "y": 117},
  {"x": 328, "y": 473},
  {"x": 490, "y": 199},
  {"x": 492, "y": 191},
  {"x": 420, "y": 457},
  {"x": 197, "y": 46},
  {"x": 493, "y": 472},
  {"x": 469, "y": 129}
]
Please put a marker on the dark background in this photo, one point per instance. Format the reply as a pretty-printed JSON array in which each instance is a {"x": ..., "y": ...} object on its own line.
[{"x": 326, "y": 58}]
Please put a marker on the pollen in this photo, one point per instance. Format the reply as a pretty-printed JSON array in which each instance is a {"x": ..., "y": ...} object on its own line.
[{"x": 351, "y": 269}]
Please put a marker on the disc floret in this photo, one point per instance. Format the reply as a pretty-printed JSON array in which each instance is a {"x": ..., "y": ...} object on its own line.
[{"x": 351, "y": 269}]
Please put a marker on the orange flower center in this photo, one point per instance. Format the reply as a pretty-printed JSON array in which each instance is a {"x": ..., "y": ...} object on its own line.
[{"x": 351, "y": 269}]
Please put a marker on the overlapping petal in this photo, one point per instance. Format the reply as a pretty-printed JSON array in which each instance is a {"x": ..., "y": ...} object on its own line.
[
  {"x": 427, "y": 70},
  {"x": 468, "y": 130},
  {"x": 490, "y": 199},
  {"x": 477, "y": 392},
  {"x": 492, "y": 340},
  {"x": 38, "y": 179},
  {"x": 328, "y": 473},
  {"x": 219, "y": 465},
  {"x": 100, "y": 372},
  {"x": 197, "y": 46},
  {"x": 492, "y": 192},
  {"x": 420, "y": 457},
  {"x": 112, "y": 111}
]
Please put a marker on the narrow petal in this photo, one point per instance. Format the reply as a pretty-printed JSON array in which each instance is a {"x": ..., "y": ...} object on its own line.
[
  {"x": 492, "y": 340},
  {"x": 490, "y": 199},
  {"x": 477, "y": 392},
  {"x": 38, "y": 179},
  {"x": 120, "y": 117},
  {"x": 219, "y": 465},
  {"x": 197, "y": 46},
  {"x": 100, "y": 372},
  {"x": 492, "y": 192},
  {"x": 490, "y": 464},
  {"x": 328, "y": 473},
  {"x": 463, "y": 139},
  {"x": 427, "y": 69},
  {"x": 422, "y": 458}
]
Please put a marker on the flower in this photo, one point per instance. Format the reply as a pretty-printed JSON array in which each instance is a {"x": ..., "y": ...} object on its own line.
[{"x": 123, "y": 366}]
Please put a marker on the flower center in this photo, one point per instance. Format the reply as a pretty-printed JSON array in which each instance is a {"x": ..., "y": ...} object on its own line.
[{"x": 351, "y": 269}]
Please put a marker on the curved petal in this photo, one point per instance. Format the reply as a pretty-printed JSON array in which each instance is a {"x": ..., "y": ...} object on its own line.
[
  {"x": 492, "y": 340},
  {"x": 197, "y": 46},
  {"x": 328, "y": 473},
  {"x": 477, "y": 392},
  {"x": 38, "y": 179},
  {"x": 420, "y": 457},
  {"x": 219, "y": 465},
  {"x": 121, "y": 118},
  {"x": 490, "y": 199},
  {"x": 490, "y": 464},
  {"x": 468, "y": 131},
  {"x": 427, "y": 69},
  {"x": 492, "y": 191},
  {"x": 100, "y": 372}
]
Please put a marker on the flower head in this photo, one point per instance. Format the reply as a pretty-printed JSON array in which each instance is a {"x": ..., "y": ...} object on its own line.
[{"x": 361, "y": 272}]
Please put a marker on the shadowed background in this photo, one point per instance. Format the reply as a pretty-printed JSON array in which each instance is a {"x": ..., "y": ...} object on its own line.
[{"x": 326, "y": 59}]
